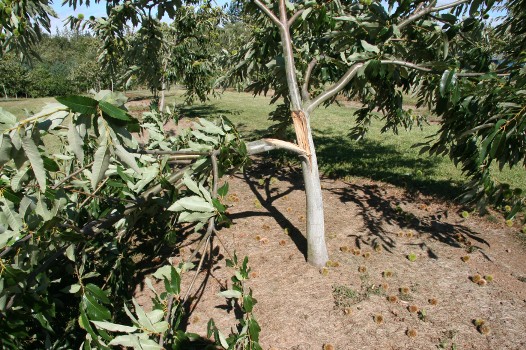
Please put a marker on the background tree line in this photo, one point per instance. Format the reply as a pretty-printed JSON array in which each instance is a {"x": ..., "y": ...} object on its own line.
[
  {"x": 193, "y": 50},
  {"x": 66, "y": 64}
]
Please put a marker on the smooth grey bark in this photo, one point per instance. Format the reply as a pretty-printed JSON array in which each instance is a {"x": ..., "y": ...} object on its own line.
[
  {"x": 161, "y": 101},
  {"x": 316, "y": 247},
  {"x": 317, "y": 253}
]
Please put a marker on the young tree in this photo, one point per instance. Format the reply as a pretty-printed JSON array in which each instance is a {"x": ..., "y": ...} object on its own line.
[
  {"x": 310, "y": 52},
  {"x": 13, "y": 77}
]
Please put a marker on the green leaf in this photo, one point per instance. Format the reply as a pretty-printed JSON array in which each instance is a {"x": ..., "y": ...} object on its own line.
[
  {"x": 218, "y": 205},
  {"x": 253, "y": 329},
  {"x": 116, "y": 98},
  {"x": 230, "y": 293},
  {"x": 155, "y": 315},
  {"x": 130, "y": 315},
  {"x": 497, "y": 145},
  {"x": 175, "y": 281},
  {"x": 114, "y": 112},
  {"x": 113, "y": 327},
  {"x": 84, "y": 324},
  {"x": 37, "y": 164},
  {"x": 163, "y": 272},
  {"x": 161, "y": 327},
  {"x": 74, "y": 288},
  {"x": 194, "y": 217},
  {"x": 76, "y": 142},
  {"x": 13, "y": 220},
  {"x": 448, "y": 17},
  {"x": 223, "y": 190},
  {"x": 484, "y": 145},
  {"x": 79, "y": 104},
  {"x": 70, "y": 252},
  {"x": 7, "y": 120},
  {"x": 50, "y": 164},
  {"x": 345, "y": 18},
  {"x": 193, "y": 203},
  {"x": 201, "y": 136},
  {"x": 101, "y": 161},
  {"x": 248, "y": 303},
  {"x": 199, "y": 147},
  {"x": 98, "y": 293},
  {"x": 445, "y": 81},
  {"x": 126, "y": 158},
  {"x": 95, "y": 310},
  {"x": 52, "y": 121},
  {"x": 20, "y": 176},
  {"x": 206, "y": 194},
  {"x": 306, "y": 13},
  {"x": 474, "y": 8},
  {"x": 16, "y": 139},
  {"x": 137, "y": 342},
  {"x": 209, "y": 127},
  {"x": 5, "y": 149},
  {"x": 368, "y": 47},
  {"x": 142, "y": 318},
  {"x": 222, "y": 340},
  {"x": 11, "y": 196},
  {"x": 191, "y": 184}
]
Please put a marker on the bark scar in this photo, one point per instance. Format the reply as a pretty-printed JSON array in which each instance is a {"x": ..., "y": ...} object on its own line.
[{"x": 300, "y": 127}]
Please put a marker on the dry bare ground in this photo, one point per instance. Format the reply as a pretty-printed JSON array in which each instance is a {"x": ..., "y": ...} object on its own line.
[{"x": 372, "y": 296}]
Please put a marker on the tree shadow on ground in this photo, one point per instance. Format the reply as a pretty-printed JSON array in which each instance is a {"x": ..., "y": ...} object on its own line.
[
  {"x": 340, "y": 156},
  {"x": 201, "y": 111},
  {"x": 266, "y": 197},
  {"x": 378, "y": 209}
]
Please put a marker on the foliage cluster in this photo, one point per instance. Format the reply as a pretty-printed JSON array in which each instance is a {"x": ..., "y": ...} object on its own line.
[{"x": 72, "y": 218}]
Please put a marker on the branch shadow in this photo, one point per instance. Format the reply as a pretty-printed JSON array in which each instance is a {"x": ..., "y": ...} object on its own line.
[
  {"x": 340, "y": 156},
  {"x": 201, "y": 111},
  {"x": 377, "y": 209},
  {"x": 266, "y": 197}
]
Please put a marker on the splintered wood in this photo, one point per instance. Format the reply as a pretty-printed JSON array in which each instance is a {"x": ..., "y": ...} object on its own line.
[{"x": 300, "y": 126}]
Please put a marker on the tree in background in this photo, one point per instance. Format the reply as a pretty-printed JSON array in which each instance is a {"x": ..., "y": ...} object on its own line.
[
  {"x": 155, "y": 53},
  {"x": 13, "y": 77},
  {"x": 66, "y": 64}
]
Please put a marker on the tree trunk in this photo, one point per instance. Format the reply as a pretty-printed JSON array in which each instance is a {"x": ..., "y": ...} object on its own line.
[
  {"x": 161, "y": 101},
  {"x": 316, "y": 248}
]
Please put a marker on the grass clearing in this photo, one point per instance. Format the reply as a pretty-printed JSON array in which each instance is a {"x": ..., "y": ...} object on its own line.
[
  {"x": 19, "y": 106},
  {"x": 380, "y": 156}
]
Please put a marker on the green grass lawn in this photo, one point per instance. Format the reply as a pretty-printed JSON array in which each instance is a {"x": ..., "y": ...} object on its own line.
[
  {"x": 19, "y": 106},
  {"x": 380, "y": 156}
]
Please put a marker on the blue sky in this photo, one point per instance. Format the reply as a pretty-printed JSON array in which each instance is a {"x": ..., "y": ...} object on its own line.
[{"x": 97, "y": 10}]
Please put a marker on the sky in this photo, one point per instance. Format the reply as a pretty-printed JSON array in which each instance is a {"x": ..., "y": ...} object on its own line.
[{"x": 99, "y": 10}]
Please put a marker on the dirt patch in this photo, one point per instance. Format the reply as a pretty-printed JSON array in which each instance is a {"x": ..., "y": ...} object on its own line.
[{"x": 373, "y": 296}]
